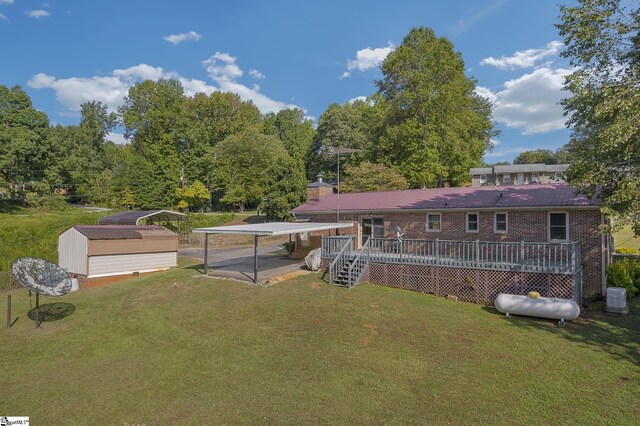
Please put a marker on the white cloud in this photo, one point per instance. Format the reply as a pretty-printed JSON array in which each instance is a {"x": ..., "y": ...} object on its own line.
[
  {"x": 37, "y": 14},
  {"x": 6, "y": 1},
  {"x": 111, "y": 89},
  {"x": 222, "y": 66},
  {"x": 3, "y": 17},
  {"x": 117, "y": 138},
  {"x": 179, "y": 38},
  {"x": 531, "y": 102},
  {"x": 357, "y": 98},
  {"x": 366, "y": 59},
  {"x": 524, "y": 58},
  {"x": 72, "y": 92},
  {"x": 256, "y": 74},
  {"x": 222, "y": 69}
]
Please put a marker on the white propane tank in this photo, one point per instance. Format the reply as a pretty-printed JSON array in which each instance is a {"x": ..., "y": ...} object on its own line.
[
  {"x": 543, "y": 307},
  {"x": 74, "y": 284}
]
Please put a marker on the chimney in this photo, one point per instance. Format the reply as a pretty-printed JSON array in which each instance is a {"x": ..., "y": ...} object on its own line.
[
  {"x": 320, "y": 176},
  {"x": 319, "y": 189}
]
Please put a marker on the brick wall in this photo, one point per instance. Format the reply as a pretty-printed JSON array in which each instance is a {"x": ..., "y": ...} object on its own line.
[{"x": 530, "y": 226}]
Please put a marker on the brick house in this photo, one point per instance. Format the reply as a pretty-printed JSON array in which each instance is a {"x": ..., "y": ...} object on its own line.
[
  {"x": 518, "y": 174},
  {"x": 544, "y": 213}
]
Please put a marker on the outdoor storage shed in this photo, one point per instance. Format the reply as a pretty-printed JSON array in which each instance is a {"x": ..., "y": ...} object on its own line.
[{"x": 108, "y": 250}]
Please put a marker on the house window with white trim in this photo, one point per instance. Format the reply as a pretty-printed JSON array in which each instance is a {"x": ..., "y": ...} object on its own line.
[
  {"x": 473, "y": 222},
  {"x": 500, "y": 222},
  {"x": 558, "y": 226},
  {"x": 433, "y": 222},
  {"x": 483, "y": 179},
  {"x": 506, "y": 178}
]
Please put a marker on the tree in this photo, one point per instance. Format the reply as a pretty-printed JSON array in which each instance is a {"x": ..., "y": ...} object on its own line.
[
  {"x": 193, "y": 196},
  {"x": 436, "y": 126},
  {"x": 369, "y": 177},
  {"x": 285, "y": 187},
  {"x": 342, "y": 126},
  {"x": 294, "y": 130},
  {"x": 603, "y": 44},
  {"x": 545, "y": 156},
  {"x": 151, "y": 115},
  {"x": 23, "y": 133},
  {"x": 239, "y": 163}
]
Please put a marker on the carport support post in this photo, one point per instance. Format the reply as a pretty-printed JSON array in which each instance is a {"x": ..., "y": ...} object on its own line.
[
  {"x": 255, "y": 259},
  {"x": 206, "y": 251}
]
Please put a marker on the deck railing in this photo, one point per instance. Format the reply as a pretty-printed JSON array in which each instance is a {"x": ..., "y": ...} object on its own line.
[
  {"x": 359, "y": 264},
  {"x": 560, "y": 257},
  {"x": 344, "y": 247}
]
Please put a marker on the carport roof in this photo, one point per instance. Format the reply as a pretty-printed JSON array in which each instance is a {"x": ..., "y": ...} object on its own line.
[{"x": 274, "y": 228}]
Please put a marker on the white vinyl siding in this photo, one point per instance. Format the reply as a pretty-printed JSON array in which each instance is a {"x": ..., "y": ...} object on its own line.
[
  {"x": 125, "y": 264},
  {"x": 72, "y": 252}
]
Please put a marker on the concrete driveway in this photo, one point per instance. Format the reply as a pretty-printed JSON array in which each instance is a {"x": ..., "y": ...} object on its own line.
[{"x": 237, "y": 263}]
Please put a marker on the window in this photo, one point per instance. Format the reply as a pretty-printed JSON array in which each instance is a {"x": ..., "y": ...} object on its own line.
[
  {"x": 433, "y": 222},
  {"x": 535, "y": 177},
  {"x": 372, "y": 227},
  {"x": 506, "y": 178},
  {"x": 473, "y": 222},
  {"x": 558, "y": 226},
  {"x": 483, "y": 179},
  {"x": 500, "y": 222}
]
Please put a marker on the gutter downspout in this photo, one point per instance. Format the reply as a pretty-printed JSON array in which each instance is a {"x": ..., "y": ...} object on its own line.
[{"x": 603, "y": 258}]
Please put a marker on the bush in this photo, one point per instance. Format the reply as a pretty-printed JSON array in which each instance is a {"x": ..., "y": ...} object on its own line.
[
  {"x": 625, "y": 274},
  {"x": 626, "y": 250}
]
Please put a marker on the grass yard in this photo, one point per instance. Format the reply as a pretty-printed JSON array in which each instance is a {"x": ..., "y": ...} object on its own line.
[
  {"x": 178, "y": 347},
  {"x": 625, "y": 238}
]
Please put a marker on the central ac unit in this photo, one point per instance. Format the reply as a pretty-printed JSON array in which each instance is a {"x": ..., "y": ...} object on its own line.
[{"x": 617, "y": 300}]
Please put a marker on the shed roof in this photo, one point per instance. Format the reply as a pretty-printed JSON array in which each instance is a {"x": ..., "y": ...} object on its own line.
[
  {"x": 134, "y": 217},
  {"x": 122, "y": 232},
  {"x": 515, "y": 168},
  {"x": 273, "y": 228},
  {"x": 474, "y": 197}
]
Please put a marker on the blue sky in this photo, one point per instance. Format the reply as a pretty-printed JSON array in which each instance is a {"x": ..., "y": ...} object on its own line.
[{"x": 283, "y": 53}]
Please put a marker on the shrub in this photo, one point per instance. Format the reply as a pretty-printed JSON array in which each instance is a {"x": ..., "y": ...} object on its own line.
[
  {"x": 625, "y": 274},
  {"x": 626, "y": 250}
]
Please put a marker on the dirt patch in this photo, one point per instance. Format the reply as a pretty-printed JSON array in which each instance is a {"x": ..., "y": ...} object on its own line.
[
  {"x": 314, "y": 285},
  {"x": 373, "y": 332}
]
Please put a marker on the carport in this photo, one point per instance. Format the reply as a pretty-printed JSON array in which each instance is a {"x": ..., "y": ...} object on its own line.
[{"x": 265, "y": 230}]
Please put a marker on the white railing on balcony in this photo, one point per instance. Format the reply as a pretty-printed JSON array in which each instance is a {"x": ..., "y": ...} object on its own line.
[{"x": 507, "y": 256}]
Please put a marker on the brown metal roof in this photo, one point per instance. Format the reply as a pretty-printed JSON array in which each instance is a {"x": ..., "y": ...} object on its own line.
[
  {"x": 121, "y": 232},
  {"x": 496, "y": 197}
]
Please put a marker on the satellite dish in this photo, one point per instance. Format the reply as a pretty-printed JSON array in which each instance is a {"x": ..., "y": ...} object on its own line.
[{"x": 41, "y": 276}]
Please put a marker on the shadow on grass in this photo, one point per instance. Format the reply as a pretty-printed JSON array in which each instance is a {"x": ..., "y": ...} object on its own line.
[
  {"x": 615, "y": 334},
  {"x": 52, "y": 311}
]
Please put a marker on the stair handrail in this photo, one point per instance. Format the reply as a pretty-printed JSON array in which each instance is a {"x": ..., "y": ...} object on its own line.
[
  {"x": 361, "y": 259},
  {"x": 341, "y": 257}
]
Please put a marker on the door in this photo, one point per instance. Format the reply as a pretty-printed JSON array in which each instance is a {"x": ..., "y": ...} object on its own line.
[
  {"x": 520, "y": 178},
  {"x": 372, "y": 227}
]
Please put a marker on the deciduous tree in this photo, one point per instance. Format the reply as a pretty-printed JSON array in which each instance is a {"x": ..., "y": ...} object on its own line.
[
  {"x": 436, "y": 126},
  {"x": 603, "y": 44}
]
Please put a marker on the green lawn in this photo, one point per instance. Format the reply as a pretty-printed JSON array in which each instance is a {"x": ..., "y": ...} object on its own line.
[
  {"x": 178, "y": 347},
  {"x": 625, "y": 238}
]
